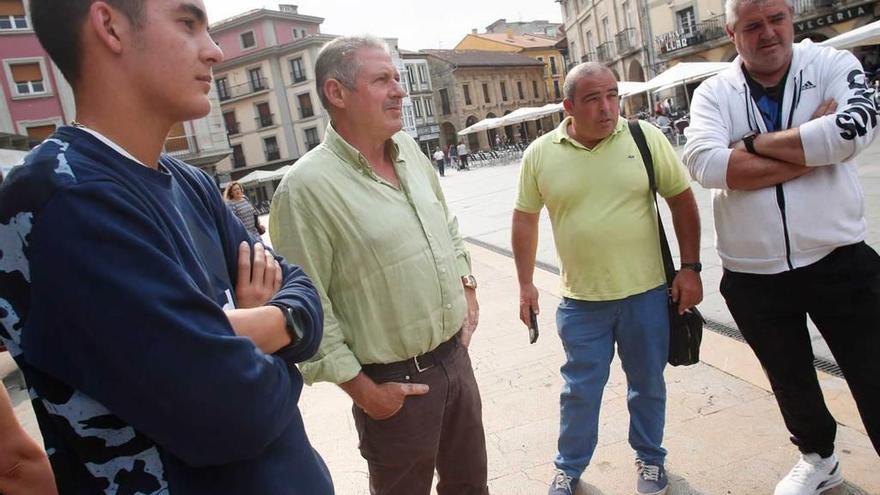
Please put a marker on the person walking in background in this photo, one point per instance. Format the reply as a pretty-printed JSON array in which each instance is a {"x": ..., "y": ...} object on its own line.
[
  {"x": 452, "y": 154},
  {"x": 462, "y": 156},
  {"x": 776, "y": 137},
  {"x": 440, "y": 159},
  {"x": 243, "y": 209}
]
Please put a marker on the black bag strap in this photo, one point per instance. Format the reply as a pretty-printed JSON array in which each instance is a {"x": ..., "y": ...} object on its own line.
[{"x": 639, "y": 137}]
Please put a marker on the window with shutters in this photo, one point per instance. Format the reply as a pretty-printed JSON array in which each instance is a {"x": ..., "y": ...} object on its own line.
[
  {"x": 37, "y": 134},
  {"x": 312, "y": 137},
  {"x": 305, "y": 105},
  {"x": 417, "y": 108},
  {"x": 486, "y": 93},
  {"x": 503, "y": 91},
  {"x": 176, "y": 140},
  {"x": 444, "y": 101},
  {"x": 297, "y": 70},
  {"x": 429, "y": 107},
  {"x": 270, "y": 148},
  {"x": 238, "y": 160},
  {"x": 467, "y": 94},
  {"x": 12, "y": 15},
  {"x": 248, "y": 40},
  {"x": 232, "y": 126},
  {"x": 535, "y": 88},
  {"x": 27, "y": 79}
]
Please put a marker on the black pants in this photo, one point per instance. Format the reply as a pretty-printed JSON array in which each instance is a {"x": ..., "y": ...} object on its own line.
[
  {"x": 442, "y": 430},
  {"x": 463, "y": 162},
  {"x": 841, "y": 294},
  {"x": 441, "y": 166}
]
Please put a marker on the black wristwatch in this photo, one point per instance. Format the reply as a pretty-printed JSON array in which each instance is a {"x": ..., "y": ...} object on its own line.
[
  {"x": 293, "y": 331},
  {"x": 749, "y": 141},
  {"x": 696, "y": 267}
]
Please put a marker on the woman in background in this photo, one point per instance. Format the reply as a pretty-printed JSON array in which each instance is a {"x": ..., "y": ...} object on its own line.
[{"x": 243, "y": 209}]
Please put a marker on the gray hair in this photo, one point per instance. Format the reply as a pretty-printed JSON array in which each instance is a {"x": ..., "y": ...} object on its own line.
[
  {"x": 337, "y": 60},
  {"x": 730, "y": 7},
  {"x": 579, "y": 72}
]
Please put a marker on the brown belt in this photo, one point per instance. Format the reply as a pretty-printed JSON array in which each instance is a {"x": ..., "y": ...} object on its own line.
[{"x": 414, "y": 365}]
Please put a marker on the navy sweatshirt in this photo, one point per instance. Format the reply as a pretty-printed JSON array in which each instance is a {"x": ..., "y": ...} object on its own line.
[{"x": 113, "y": 279}]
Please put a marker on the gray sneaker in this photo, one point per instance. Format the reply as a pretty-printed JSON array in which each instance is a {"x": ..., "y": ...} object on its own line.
[
  {"x": 651, "y": 480},
  {"x": 561, "y": 484}
]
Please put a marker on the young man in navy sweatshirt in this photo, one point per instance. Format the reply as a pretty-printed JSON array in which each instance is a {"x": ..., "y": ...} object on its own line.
[{"x": 159, "y": 355}]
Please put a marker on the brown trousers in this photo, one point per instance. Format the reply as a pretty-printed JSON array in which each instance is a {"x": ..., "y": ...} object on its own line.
[{"x": 442, "y": 430}]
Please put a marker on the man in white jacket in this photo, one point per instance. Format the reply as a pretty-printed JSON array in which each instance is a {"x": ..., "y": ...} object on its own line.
[{"x": 776, "y": 136}]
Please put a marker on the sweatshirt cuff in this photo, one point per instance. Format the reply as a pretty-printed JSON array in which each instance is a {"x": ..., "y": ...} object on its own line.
[
  {"x": 816, "y": 147},
  {"x": 714, "y": 174},
  {"x": 337, "y": 367}
]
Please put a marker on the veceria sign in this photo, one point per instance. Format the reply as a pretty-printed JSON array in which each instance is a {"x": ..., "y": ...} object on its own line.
[{"x": 833, "y": 18}]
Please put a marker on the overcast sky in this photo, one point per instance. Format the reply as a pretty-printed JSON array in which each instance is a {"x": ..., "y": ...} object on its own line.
[{"x": 416, "y": 23}]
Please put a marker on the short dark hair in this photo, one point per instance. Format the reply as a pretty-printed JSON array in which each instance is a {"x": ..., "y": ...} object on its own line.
[{"x": 58, "y": 25}]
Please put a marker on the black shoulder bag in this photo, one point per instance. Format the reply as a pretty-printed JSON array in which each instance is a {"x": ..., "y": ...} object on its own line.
[{"x": 685, "y": 331}]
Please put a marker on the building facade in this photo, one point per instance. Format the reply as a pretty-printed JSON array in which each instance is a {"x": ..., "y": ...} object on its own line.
[
  {"x": 616, "y": 33},
  {"x": 408, "y": 121},
  {"x": 416, "y": 78},
  {"x": 539, "y": 47},
  {"x": 694, "y": 31},
  {"x": 266, "y": 87},
  {"x": 37, "y": 99},
  {"x": 473, "y": 85},
  {"x": 546, "y": 28}
]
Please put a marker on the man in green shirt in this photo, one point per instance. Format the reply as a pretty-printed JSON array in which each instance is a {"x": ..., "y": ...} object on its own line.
[
  {"x": 364, "y": 215},
  {"x": 589, "y": 174}
]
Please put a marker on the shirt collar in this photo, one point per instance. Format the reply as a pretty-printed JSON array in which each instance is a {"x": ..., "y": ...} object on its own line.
[
  {"x": 350, "y": 155},
  {"x": 560, "y": 134}
]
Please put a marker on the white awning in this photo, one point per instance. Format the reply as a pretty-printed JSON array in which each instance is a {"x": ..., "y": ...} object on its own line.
[
  {"x": 482, "y": 125},
  {"x": 685, "y": 72},
  {"x": 868, "y": 34},
  {"x": 627, "y": 88},
  {"x": 259, "y": 176}
]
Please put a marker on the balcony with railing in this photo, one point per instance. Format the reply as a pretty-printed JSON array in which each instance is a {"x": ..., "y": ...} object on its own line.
[
  {"x": 265, "y": 120},
  {"x": 181, "y": 146},
  {"x": 233, "y": 128},
  {"x": 708, "y": 30},
  {"x": 606, "y": 51},
  {"x": 627, "y": 41},
  {"x": 239, "y": 90},
  {"x": 809, "y": 7},
  {"x": 589, "y": 57}
]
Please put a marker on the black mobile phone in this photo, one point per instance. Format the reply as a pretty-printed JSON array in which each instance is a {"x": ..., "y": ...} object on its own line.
[{"x": 533, "y": 326}]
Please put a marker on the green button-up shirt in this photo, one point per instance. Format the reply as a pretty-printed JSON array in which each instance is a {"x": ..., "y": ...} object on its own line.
[{"x": 387, "y": 262}]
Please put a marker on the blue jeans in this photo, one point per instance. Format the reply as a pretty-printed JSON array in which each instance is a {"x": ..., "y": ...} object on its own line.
[{"x": 639, "y": 325}]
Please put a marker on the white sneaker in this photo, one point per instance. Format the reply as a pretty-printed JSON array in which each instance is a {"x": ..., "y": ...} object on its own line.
[{"x": 811, "y": 475}]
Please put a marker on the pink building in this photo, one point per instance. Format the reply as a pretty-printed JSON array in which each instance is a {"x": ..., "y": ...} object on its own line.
[
  {"x": 36, "y": 98},
  {"x": 267, "y": 93}
]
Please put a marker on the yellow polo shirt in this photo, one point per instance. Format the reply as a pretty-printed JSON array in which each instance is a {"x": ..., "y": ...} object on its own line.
[{"x": 601, "y": 209}]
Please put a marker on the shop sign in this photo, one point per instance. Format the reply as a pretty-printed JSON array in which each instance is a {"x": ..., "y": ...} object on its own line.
[{"x": 842, "y": 15}]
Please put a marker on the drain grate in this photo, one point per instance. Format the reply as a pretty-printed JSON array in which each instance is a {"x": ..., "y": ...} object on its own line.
[{"x": 821, "y": 364}]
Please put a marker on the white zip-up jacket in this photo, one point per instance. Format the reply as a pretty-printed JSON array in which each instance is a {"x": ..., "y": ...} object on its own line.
[{"x": 799, "y": 222}]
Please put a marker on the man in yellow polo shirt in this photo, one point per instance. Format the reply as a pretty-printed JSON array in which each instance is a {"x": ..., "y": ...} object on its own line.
[{"x": 589, "y": 174}]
